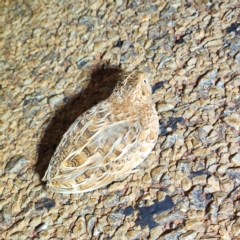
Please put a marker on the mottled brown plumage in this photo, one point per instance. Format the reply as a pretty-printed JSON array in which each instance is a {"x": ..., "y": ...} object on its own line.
[{"x": 108, "y": 140}]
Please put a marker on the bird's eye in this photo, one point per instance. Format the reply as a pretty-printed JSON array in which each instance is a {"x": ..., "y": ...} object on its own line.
[{"x": 144, "y": 80}]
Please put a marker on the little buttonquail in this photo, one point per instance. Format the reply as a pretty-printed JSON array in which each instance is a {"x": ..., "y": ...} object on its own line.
[{"x": 107, "y": 141}]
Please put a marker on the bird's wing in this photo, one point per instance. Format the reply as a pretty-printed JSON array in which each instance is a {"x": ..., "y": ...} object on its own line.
[{"x": 93, "y": 151}]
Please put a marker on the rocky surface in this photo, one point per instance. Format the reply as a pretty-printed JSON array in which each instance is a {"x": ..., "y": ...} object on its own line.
[{"x": 59, "y": 58}]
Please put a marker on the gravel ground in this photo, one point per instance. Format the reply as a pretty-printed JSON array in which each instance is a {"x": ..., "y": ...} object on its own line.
[{"x": 59, "y": 58}]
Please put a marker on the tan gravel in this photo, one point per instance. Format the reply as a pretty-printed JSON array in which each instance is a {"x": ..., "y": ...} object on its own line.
[{"x": 52, "y": 53}]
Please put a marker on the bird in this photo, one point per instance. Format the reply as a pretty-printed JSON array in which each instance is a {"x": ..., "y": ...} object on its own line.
[{"x": 107, "y": 141}]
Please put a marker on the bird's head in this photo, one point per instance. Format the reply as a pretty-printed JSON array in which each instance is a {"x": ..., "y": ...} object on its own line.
[{"x": 133, "y": 85}]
